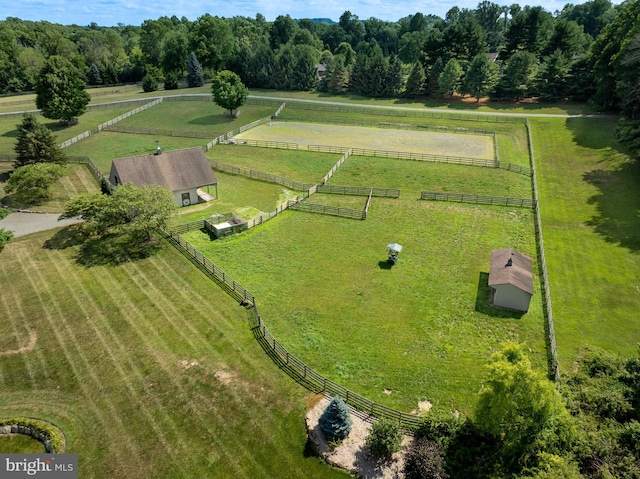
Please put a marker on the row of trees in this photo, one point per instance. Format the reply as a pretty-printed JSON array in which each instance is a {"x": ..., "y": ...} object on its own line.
[{"x": 283, "y": 54}]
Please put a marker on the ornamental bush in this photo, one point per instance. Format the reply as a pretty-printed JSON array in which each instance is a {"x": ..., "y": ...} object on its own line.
[
  {"x": 335, "y": 421},
  {"x": 384, "y": 439},
  {"x": 425, "y": 460}
]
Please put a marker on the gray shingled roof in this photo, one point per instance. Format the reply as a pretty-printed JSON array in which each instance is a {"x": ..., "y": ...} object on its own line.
[
  {"x": 519, "y": 273},
  {"x": 176, "y": 170}
]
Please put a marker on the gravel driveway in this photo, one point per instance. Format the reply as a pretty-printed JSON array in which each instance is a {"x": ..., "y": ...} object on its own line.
[{"x": 26, "y": 223}]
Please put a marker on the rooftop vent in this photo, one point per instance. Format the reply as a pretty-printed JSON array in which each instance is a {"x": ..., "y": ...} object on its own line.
[{"x": 509, "y": 263}]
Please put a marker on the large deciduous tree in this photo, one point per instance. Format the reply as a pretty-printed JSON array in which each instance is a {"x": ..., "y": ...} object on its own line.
[
  {"x": 36, "y": 143},
  {"x": 60, "y": 90},
  {"x": 228, "y": 91},
  {"x": 137, "y": 212},
  {"x": 522, "y": 410}
]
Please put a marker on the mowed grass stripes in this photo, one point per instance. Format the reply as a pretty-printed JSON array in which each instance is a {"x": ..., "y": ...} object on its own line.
[{"x": 149, "y": 368}]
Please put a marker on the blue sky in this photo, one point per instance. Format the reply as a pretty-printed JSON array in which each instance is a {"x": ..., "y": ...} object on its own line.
[{"x": 134, "y": 12}]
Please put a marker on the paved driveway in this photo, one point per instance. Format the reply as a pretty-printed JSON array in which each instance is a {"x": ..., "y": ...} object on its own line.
[{"x": 26, "y": 223}]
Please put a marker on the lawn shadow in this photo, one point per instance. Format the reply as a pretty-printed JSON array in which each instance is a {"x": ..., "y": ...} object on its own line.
[
  {"x": 4, "y": 176},
  {"x": 72, "y": 235},
  {"x": 103, "y": 250},
  {"x": 617, "y": 204},
  {"x": 211, "y": 120},
  {"x": 483, "y": 304},
  {"x": 385, "y": 264},
  {"x": 11, "y": 133}
]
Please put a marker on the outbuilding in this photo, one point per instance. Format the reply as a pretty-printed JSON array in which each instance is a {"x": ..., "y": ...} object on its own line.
[
  {"x": 185, "y": 172},
  {"x": 510, "y": 279}
]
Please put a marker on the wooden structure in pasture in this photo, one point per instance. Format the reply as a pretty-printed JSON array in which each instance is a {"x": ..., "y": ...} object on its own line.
[
  {"x": 184, "y": 172},
  {"x": 511, "y": 279}
]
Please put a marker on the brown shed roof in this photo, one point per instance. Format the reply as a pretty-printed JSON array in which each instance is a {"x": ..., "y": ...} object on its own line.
[
  {"x": 176, "y": 170},
  {"x": 510, "y": 267}
]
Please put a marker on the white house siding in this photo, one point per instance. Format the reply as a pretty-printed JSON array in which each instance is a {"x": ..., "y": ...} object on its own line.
[
  {"x": 193, "y": 196},
  {"x": 508, "y": 296}
]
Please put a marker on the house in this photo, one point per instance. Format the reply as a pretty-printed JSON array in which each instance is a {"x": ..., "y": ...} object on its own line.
[
  {"x": 184, "y": 172},
  {"x": 510, "y": 279}
]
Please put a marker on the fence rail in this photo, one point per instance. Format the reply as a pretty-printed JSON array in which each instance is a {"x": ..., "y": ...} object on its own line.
[
  {"x": 406, "y": 113},
  {"x": 329, "y": 210},
  {"x": 93, "y": 168},
  {"x": 485, "y": 200},
  {"x": 359, "y": 191},
  {"x": 259, "y": 175},
  {"x": 335, "y": 168},
  {"x": 547, "y": 306}
]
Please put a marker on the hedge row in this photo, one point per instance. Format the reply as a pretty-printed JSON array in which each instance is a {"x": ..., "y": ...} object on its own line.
[{"x": 51, "y": 436}]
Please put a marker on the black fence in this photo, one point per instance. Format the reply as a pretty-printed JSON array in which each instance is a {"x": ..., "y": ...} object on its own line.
[
  {"x": 476, "y": 199},
  {"x": 329, "y": 210},
  {"x": 259, "y": 175},
  {"x": 359, "y": 191}
]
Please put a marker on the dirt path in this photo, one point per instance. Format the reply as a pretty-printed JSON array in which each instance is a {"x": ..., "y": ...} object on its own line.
[
  {"x": 26, "y": 223},
  {"x": 33, "y": 336}
]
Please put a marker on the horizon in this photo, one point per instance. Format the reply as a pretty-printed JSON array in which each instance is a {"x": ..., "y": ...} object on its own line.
[{"x": 124, "y": 12}]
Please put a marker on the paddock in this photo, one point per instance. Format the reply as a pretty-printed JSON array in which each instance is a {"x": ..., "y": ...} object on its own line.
[{"x": 410, "y": 141}]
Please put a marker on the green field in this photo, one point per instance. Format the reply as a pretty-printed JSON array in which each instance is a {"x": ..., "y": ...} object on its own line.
[
  {"x": 590, "y": 197},
  {"x": 147, "y": 366},
  {"x": 422, "y": 329}
]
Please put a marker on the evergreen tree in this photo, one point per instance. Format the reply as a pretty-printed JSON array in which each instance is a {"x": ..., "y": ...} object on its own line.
[
  {"x": 149, "y": 83},
  {"x": 450, "y": 78},
  {"x": 481, "y": 77},
  {"x": 384, "y": 439},
  {"x": 335, "y": 421},
  {"x": 171, "y": 81},
  {"x": 94, "y": 75},
  {"x": 36, "y": 144},
  {"x": 519, "y": 77},
  {"x": 434, "y": 74},
  {"x": 553, "y": 77},
  {"x": 394, "y": 82},
  {"x": 415, "y": 82},
  {"x": 338, "y": 77},
  {"x": 195, "y": 77}
]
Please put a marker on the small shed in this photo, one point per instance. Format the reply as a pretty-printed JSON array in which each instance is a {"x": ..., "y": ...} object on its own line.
[
  {"x": 185, "y": 172},
  {"x": 510, "y": 279}
]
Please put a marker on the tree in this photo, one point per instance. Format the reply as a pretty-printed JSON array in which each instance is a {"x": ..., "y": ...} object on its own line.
[
  {"x": 60, "y": 90},
  {"x": 212, "y": 40},
  {"x": 424, "y": 460},
  {"x": 481, "y": 76},
  {"x": 432, "y": 79},
  {"x": 394, "y": 82},
  {"x": 335, "y": 422},
  {"x": 36, "y": 143},
  {"x": 136, "y": 212},
  {"x": 384, "y": 439},
  {"x": 149, "y": 83},
  {"x": 175, "y": 49},
  {"x": 522, "y": 409},
  {"x": 415, "y": 82},
  {"x": 450, "y": 78},
  {"x": 171, "y": 81},
  {"x": 93, "y": 76},
  {"x": 228, "y": 91},
  {"x": 195, "y": 77},
  {"x": 553, "y": 77},
  {"x": 31, "y": 183},
  {"x": 519, "y": 76}
]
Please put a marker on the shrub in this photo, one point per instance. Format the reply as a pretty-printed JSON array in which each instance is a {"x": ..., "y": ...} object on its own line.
[
  {"x": 171, "y": 81},
  {"x": 335, "y": 421},
  {"x": 424, "y": 460},
  {"x": 48, "y": 430},
  {"x": 149, "y": 83},
  {"x": 5, "y": 237},
  {"x": 384, "y": 439}
]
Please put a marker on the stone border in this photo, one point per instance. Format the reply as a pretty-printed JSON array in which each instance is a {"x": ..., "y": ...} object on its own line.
[{"x": 47, "y": 433}]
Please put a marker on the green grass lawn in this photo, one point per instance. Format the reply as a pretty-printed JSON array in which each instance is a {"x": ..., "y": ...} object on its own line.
[
  {"x": 20, "y": 444},
  {"x": 203, "y": 116},
  {"x": 413, "y": 177},
  {"x": 297, "y": 165},
  {"x": 589, "y": 198},
  {"x": 76, "y": 181},
  {"x": 147, "y": 366},
  {"x": 422, "y": 329},
  {"x": 88, "y": 121}
]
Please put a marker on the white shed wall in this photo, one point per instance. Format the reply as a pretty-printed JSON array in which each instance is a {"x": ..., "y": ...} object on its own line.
[{"x": 508, "y": 296}]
